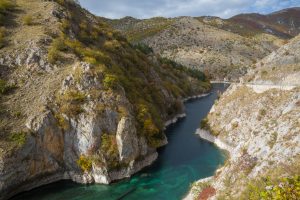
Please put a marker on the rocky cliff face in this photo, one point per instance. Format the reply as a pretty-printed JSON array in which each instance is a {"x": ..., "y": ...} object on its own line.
[
  {"x": 258, "y": 123},
  {"x": 77, "y": 101}
]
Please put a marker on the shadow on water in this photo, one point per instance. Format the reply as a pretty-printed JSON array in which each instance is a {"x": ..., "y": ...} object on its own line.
[{"x": 184, "y": 160}]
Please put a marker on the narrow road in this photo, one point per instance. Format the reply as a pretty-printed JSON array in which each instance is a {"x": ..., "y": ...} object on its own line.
[
  {"x": 256, "y": 84},
  {"x": 261, "y": 87}
]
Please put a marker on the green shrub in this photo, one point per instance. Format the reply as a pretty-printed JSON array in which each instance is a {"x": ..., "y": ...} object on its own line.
[
  {"x": 74, "y": 96},
  {"x": 84, "y": 163},
  {"x": 110, "y": 149},
  {"x": 273, "y": 139},
  {"x": 59, "y": 44},
  {"x": 109, "y": 144},
  {"x": 63, "y": 124},
  {"x": 17, "y": 114},
  {"x": 195, "y": 73},
  {"x": 178, "y": 106},
  {"x": 280, "y": 181},
  {"x": 71, "y": 109},
  {"x": 110, "y": 81},
  {"x": 153, "y": 134},
  {"x": 28, "y": 20},
  {"x": 143, "y": 48},
  {"x": 65, "y": 25},
  {"x": 61, "y": 2},
  {"x": 5, "y": 88},
  {"x": 112, "y": 45},
  {"x": 123, "y": 111},
  {"x": 286, "y": 188},
  {"x": 71, "y": 102},
  {"x": 96, "y": 56},
  {"x": 5, "y": 7},
  {"x": 153, "y": 26},
  {"x": 150, "y": 127},
  {"x": 90, "y": 60},
  {"x": 2, "y": 37},
  {"x": 54, "y": 50},
  {"x": 18, "y": 138},
  {"x": 235, "y": 125},
  {"x": 262, "y": 112},
  {"x": 53, "y": 56},
  {"x": 204, "y": 124},
  {"x": 264, "y": 73},
  {"x": 173, "y": 88}
]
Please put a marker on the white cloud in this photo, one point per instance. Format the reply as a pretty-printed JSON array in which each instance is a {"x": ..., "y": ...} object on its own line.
[{"x": 173, "y": 8}]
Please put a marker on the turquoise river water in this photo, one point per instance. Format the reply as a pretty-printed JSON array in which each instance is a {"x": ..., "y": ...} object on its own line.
[{"x": 184, "y": 160}]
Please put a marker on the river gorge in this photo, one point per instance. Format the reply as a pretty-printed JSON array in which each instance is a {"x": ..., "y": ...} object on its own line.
[{"x": 185, "y": 159}]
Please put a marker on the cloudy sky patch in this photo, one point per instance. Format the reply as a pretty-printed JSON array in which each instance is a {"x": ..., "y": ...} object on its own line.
[{"x": 173, "y": 8}]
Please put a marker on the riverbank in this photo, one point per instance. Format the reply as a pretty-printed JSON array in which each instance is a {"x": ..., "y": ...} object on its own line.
[
  {"x": 258, "y": 125},
  {"x": 206, "y": 135},
  {"x": 114, "y": 176},
  {"x": 183, "y": 115},
  {"x": 184, "y": 160},
  {"x": 190, "y": 195}
]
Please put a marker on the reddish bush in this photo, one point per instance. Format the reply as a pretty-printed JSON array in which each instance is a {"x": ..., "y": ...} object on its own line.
[{"x": 206, "y": 193}]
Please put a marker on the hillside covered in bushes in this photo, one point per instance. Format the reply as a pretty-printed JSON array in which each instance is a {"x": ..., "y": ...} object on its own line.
[
  {"x": 78, "y": 101},
  {"x": 222, "y": 48}
]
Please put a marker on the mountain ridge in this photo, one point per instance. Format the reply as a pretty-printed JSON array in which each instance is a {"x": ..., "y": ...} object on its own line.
[{"x": 263, "y": 31}]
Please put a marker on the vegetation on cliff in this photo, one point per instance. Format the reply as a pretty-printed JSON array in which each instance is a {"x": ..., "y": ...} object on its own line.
[
  {"x": 109, "y": 53},
  {"x": 6, "y": 9},
  {"x": 137, "y": 30},
  {"x": 258, "y": 122},
  {"x": 76, "y": 97}
]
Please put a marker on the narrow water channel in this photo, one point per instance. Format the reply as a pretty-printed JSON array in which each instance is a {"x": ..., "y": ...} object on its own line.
[{"x": 184, "y": 160}]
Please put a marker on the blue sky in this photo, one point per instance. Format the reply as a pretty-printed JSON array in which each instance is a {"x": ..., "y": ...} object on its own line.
[{"x": 173, "y": 8}]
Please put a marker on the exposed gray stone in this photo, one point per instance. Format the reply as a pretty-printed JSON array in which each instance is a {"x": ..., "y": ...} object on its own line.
[{"x": 127, "y": 140}]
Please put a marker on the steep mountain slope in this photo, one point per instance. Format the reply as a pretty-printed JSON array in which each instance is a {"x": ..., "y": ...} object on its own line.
[
  {"x": 77, "y": 100},
  {"x": 196, "y": 45},
  {"x": 284, "y": 23},
  {"x": 258, "y": 123},
  {"x": 136, "y": 29},
  {"x": 203, "y": 43},
  {"x": 280, "y": 67}
]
